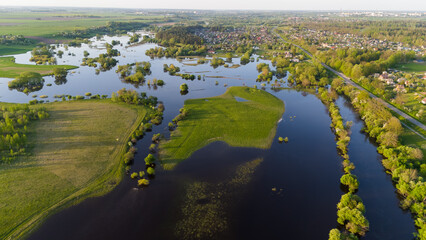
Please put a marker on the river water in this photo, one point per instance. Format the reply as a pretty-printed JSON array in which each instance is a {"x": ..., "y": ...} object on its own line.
[{"x": 291, "y": 194}]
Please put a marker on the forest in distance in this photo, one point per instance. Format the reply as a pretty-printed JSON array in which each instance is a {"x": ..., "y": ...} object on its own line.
[{"x": 195, "y": 124}]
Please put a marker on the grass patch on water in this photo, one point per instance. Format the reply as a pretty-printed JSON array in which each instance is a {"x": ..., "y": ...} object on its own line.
[
  {"x": 242, "y": 124},
  {"x": 75, "y": 154},
  {"x": 10, "y": 69}
]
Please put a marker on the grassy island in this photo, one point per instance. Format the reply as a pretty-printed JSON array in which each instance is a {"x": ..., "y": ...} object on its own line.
[
  {"x": 249, "y": 121},
  {"x": 74, "y": 154},
  {"x": 10, "y": 69}
]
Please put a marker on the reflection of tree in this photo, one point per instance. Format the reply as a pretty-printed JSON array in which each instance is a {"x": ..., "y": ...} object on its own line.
[
  {"x": 280, "y": 74},
  {"x": 60, "y": 75},
  {"x": 183, "y": 92},
  {"x": 59, "y": 80},
  {"x": 134, "y": 84}
]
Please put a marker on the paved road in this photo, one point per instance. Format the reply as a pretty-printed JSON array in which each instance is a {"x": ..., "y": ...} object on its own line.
[{"x": 349, "y": 81}]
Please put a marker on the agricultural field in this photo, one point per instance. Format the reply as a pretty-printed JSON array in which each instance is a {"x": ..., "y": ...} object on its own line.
[{"x": 48, "y": 24}]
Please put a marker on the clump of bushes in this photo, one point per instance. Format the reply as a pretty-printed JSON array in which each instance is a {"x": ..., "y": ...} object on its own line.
[
  {"x": 350, "y": 181},
  {"x": 27, "y": 82},
  {"x": 216, "y": 62},
  {"x": 16, "y": 118},
  {"x": 183, "y": 88},
  {"x": 150, "y": 171},
  {"x": 42, "y": 55},
  {"x": 132, "y": 97},
  {"x": 172, "y": 69},
  {"x": 156, "y": 138},
  {"x": 351, "y": 214},
  {"x": 143, "y": 182},
  {"x": 149, "y": 160}
]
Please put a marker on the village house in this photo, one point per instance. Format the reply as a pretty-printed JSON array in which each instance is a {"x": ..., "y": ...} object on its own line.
[{"x": 400, "y": 89}]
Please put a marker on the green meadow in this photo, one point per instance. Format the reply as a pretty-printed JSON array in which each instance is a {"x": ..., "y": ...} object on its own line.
[
  {"x": 48, "y": 24},
  {"x": 250, "y": 123},
  {"x": 10, "y": 69},
  {"x": 413, "y": 67},
  {"x": 74, "y": 154}
]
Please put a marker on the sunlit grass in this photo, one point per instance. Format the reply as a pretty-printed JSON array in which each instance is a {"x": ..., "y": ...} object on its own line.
[
  {"x": 10, "y": 69},
  {"x": 251, "y": 123},
  {"x": 76, "y": 154}
]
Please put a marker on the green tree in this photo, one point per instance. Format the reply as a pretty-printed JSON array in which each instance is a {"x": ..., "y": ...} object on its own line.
[
  {"x": 183, "y": 87},
  {"x": 351, "y": 181},
  {"x": 150, "y": 159}
]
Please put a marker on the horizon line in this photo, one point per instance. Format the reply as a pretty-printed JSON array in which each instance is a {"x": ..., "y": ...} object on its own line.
[{"x": 218, "y": 9}]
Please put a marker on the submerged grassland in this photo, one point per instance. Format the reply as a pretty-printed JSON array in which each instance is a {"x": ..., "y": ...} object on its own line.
[
  {"x": 250, "y": 123},
  {"x": 75, "y": 154},
  {"x": 10, "y": 69}
]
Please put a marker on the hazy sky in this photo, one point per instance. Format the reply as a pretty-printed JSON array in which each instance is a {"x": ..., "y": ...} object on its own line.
[{"x": 416, "y": 5}]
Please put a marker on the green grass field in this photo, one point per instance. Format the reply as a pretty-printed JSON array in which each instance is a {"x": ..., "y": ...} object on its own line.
[
  {"x": 15, "y": 49},
  {"x": 244, "y": 124},
  {"x": 49, "y": 23},
  {"x": 409, "y": 138},
  {"x": 75, "y": 154},
  {"x": 412, "y": 67},
  {"x": 10, "y": 69}
]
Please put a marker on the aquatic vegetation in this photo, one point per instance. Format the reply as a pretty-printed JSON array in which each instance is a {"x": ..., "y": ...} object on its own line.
[{"x": 204, "y": 210}]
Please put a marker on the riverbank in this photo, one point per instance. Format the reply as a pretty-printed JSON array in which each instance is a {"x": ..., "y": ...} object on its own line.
[{"x": 75, "y": 154}]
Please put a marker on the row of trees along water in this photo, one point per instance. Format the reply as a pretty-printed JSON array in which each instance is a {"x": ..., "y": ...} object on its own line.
[
  {"x": 154, "y": 117},
  {"x": 404, "y": 163}
]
